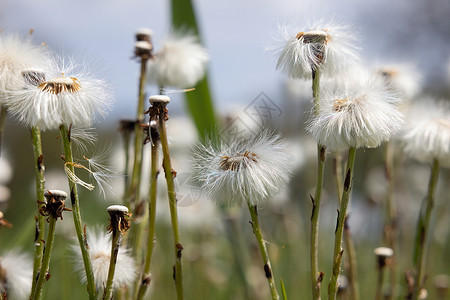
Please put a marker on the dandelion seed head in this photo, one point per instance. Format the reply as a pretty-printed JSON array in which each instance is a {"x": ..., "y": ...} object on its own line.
[
  {"x": 100, "y": 254},
  {"x": 16, "y": 273},
  {"x": 239, "y": 170},
  {"x": 426, "y": 134},
  {"x": 328, "y": 47},
  {"x": 403, "y": 78},
  {"x": 69, "y": 96},
  {"x": 360, "y": 113},
  {"x": 181, "y": 62}
]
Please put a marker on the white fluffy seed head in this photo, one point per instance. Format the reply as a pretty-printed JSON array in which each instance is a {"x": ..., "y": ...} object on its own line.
[
  {"x": 16, "y": 55},
  {"x": 240, "y": 170},
  {"x": 117, "y": 208},
  {"x": 100, "y": 254},
  {"x": 327, "y": 47},
  {"x": 426, "y": 134},
  {"x": 16, "y": 273},
  {"x": 67, "y": 96},
  {"x": 360, "y": 113},
  {"x": 181, "y": 62},
  {"x": 159, "y": 99},
  {"x": 402, "y": 78}
]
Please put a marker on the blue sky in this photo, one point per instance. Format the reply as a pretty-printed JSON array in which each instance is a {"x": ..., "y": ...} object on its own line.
[{"x": 236, "y": 33}]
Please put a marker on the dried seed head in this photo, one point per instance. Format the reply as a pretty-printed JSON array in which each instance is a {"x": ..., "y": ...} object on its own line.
[
  {"x": 34, "y": 77},
  {"x": 55, "y": 204},
  {"x": 60, "y": 85},
  {"x": 143, "y": 49},
  {"x": 159, "y": 99},
  {"x": 384, "y": 256},
  {"x": 144, "y": 34},
  {"x": 315, "y": 36},
  {"x": 152, "y": 132},
  {"x": 118, "y": 219},
  {"x": 240, "y": 160}
]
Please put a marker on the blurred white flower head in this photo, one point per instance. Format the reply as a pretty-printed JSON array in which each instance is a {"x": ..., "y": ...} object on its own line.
[
  {"x": 243, "y": 169},
  {"x": 100, "y": 253},
  {"x": 327, "y": 47},
  {"x": 403, "y": 78},
  {"x": 426, "y": 134},
  {"x": 181, "y": 62},
  {"x": 16, "y": 55},
  {"x": 62, "y": 93},
  {"x": 361, "y": 112},
  {"x": 16, "y": 274}
]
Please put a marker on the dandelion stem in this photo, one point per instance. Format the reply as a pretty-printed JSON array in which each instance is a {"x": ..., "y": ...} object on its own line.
[
  {"x": 423, "y": 226},
  {"x": 314, "y": 251},
  {"x": 352, "y": 264},
  {"x": 145, "y": 280},
  {"x": 65, "y": 136},
  {"x": 391, "y": 214},
  {"x": 172, "y": 204},
  {"x": 262, "y": 247},
  {"x": 2, "y": 125},
  {"x": 133, "y": 193},
  {"x": 115, "y": 244},
  {"x": 126, "y": 146},
  {"x": 46, "y": 258},
  {"x": 40, "y": 221},
  {"x": 379, "y": 284},
  {"x": 338, "y": 251}
]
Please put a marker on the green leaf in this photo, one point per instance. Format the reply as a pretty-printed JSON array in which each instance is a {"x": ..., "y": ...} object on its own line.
[
  {"x": 199, "y": 102},
  {"x": 283, "y": 290}
]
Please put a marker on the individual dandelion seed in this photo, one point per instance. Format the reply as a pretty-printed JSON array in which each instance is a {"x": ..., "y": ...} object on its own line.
[
  {"x": 240, "y": 170},
  {"x": 426, "y": 134},
  {"x": 69, "y": 96},
  {"x": 16, "y": 274},
  {"x": 100, "y": 253},
  {"x": 16, "y": 55},
  {"x": 359, "y": 113},
  {"x": 328, "y": 47},
  {"x": 180, "y": 62}
]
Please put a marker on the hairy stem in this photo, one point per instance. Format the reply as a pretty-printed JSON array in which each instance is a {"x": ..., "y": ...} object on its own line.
[
  {"x": 65, "y": 136},
  {"x": 314, "y": 250},
  {"x": 115, "y": 244},
  {"x": 338, "y": 251},
  {"x": 423, "y": 227},
  {"x": 169, "y": 174},
  {"x": 145, "y": 280},
  {"x": 262, "y": 247},
  {"x": 46, "y": 258},
  {"x": 40, "y": 220}
]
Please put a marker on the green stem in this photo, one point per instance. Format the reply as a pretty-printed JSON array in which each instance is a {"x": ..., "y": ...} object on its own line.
[
  {"x": 65, "y": 136},
  {"x": 40, "y": 186},
  {"x": 314, "y": 250},
  {"x": 353, "y": 269},
  {"x": 262, "y": 247},
  {"x": 3, "y": 113},
  {"x": 133, "y": 193},
  {"x": 423, "y": 227},
  {"x": 46, "y": 258},
  {"x": 378, "y": 291},
  {"x": 391, "y": 215},
  {"x": 337, "y": 254},
  {"x": 337, "y": 160},
  {"x": 115, "y": 244},
  {"x": 126, "y": 145},
  {"x": 145, "y": 280},
  {"x": 172, "y": 205}
]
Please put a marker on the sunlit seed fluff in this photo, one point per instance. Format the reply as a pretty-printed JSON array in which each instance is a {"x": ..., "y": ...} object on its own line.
[
  {"x": 328, "y": 47},
  {"x": 17, "y": 54},
  {"x": 383, "y": 252},
  {"x": 16, "y": 272},
  {"x": 67, "y": 96},
  {"x": 240, "y": 170},
  {"x": 426, "y": 134},
  {"x": 181, "y": 62},
  {"x": 360, "y": 113},
  {"x": 100, "y": 254},
  {"x": 402, "y": 78}
]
